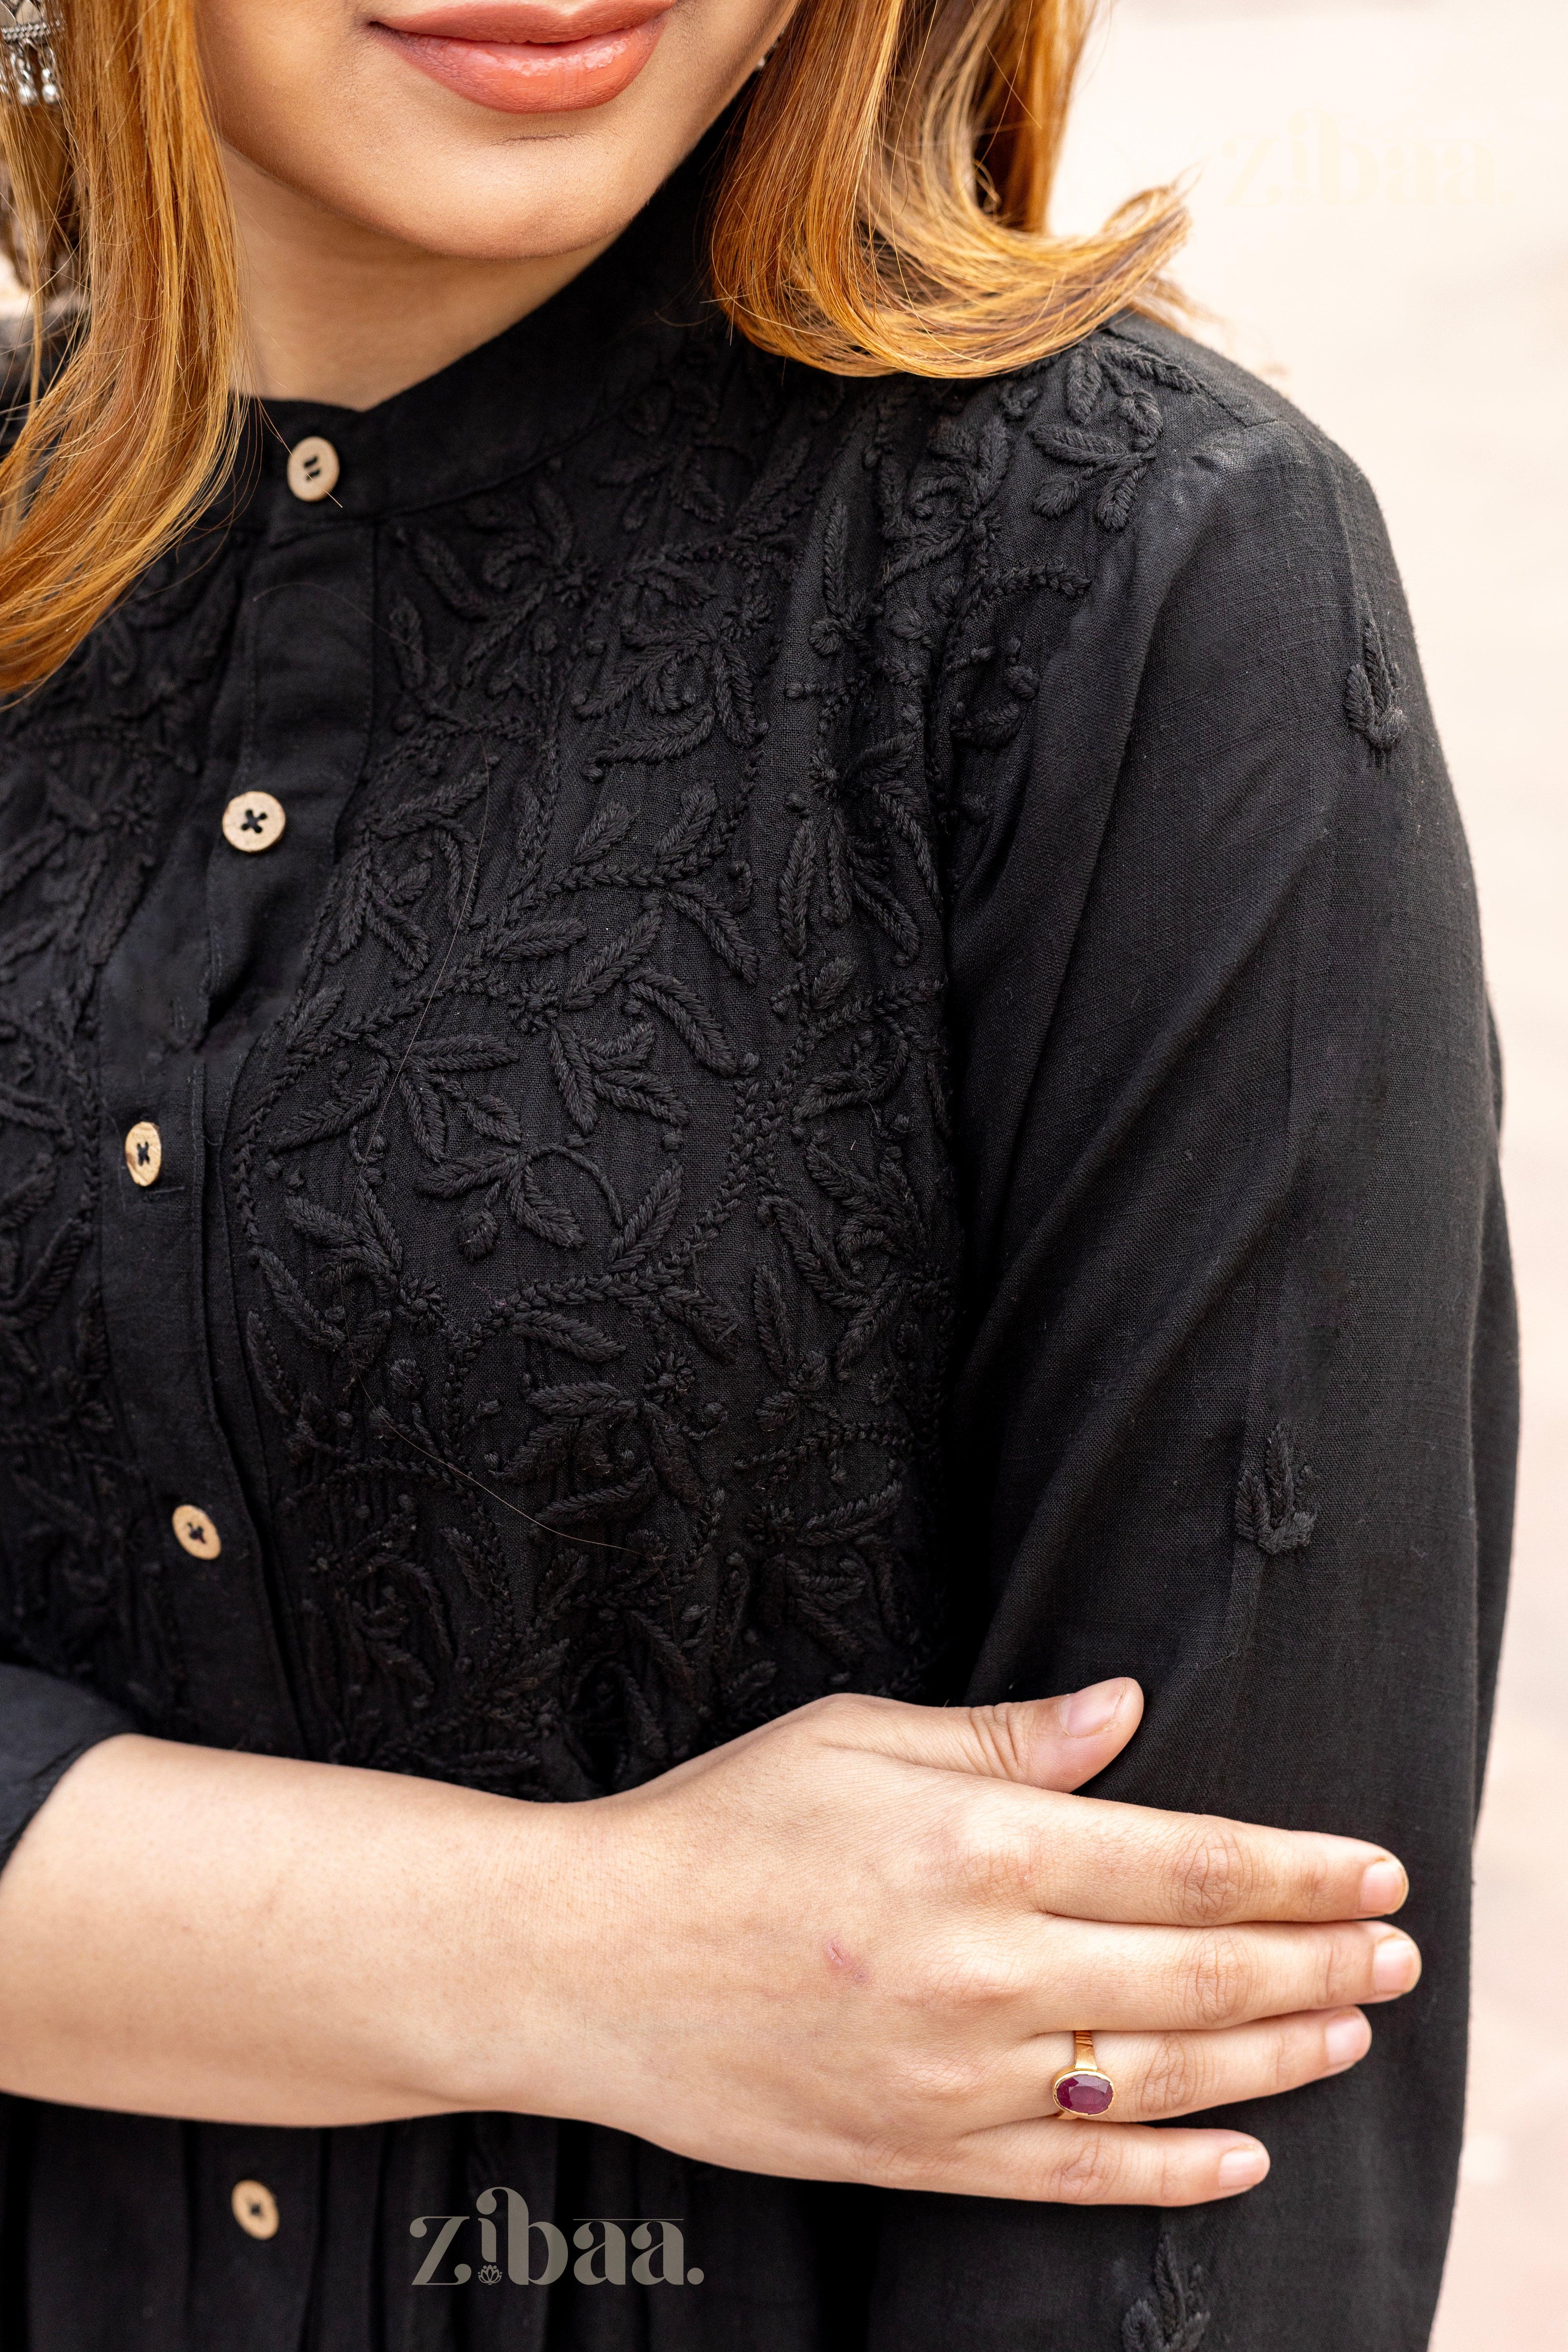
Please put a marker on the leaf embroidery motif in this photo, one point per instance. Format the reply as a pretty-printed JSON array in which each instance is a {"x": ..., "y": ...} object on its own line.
[
  {"x": 1270, "y": 1511},
  {"x": 1371, "y": 694},
  {"x": 1174, "y": 2321}
]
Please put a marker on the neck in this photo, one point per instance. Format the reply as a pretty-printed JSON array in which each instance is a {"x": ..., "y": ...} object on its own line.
[{"x": 337, "y": 312}]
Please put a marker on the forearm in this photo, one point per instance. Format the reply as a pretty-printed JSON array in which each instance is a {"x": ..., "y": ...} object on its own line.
[
  {"x": 766, "y": 1958},
  {"x": 246, "y": 1938}
]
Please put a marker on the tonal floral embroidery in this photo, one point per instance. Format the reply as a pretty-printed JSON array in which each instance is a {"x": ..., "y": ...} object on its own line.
[
  {"x": 595, "y": 1214},
  {"x": 1174, "y": 2319}
]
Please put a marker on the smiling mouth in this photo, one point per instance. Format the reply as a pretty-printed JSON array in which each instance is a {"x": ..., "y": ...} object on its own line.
[{"x": 527, "y": 57}]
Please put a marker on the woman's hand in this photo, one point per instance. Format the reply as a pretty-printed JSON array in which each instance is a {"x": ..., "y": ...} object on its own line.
[{"x": 852, "y": 1944}]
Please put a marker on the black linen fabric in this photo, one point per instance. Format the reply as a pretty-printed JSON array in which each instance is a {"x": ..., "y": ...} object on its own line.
[{"x": 863, "y": 1064}]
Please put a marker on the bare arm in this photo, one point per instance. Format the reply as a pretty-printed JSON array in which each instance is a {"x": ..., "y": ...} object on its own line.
[
  {"x": 846, "y": 1946},
  {"x": 186, "y": 1931}
]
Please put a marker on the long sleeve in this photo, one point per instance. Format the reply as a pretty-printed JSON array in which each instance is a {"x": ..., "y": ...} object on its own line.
[
  {"x": 45, "y": 1726},
  {"x": 1236, "y": 1401}
]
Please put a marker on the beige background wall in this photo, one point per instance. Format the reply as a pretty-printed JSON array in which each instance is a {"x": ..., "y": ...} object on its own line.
[{"x": 1382, "y": 228}]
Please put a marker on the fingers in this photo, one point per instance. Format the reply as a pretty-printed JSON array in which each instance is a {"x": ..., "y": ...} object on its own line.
[
  {"x": 1096, "y": 1860},
  {"x": 1089, "y": 2164},
  {"x": 1162, "y": 2074},
  {"x": 1158, "y": 2075},
  {"x": 1042, "y": 1743},
  {"x": 1200, "y": 1979}
]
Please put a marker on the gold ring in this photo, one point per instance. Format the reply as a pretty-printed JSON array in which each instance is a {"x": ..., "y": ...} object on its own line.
[{"x": 1084, "y": 2088}]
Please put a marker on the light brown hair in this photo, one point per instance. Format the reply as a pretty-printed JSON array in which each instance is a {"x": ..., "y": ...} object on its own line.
[{"x": 882, "y": 208}]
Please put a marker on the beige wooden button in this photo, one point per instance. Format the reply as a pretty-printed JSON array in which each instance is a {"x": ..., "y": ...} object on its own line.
[
  {"x": 195, "y": 1533},
  {"x": 312, "y": 468},
  {"x": 255, "y": 2208},
  {"x": 254, "y": 821},
  {"x": 143, "y": 1153}
]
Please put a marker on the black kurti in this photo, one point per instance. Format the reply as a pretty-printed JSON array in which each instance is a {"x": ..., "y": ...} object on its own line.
[{"x": 861, "y": 1063}]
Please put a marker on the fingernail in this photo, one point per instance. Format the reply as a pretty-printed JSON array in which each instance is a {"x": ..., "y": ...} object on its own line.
[
  {"x": 1347, "y": 2038},
  {"x": 1396, "y": 1964},
  {"x": 1383, "y": 1886},
  {"x": 1091, "y": 1709},
  {"x": 1241, "y": 2168}
]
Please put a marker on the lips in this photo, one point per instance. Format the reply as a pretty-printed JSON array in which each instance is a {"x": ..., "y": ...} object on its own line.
[{"x": 526, "y": 57}]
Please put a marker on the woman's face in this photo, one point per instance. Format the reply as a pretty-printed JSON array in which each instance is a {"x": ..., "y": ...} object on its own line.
[{"x": 494, "y": 130}]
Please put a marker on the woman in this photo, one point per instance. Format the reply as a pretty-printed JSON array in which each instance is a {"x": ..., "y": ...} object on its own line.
[{"x": 739, "y": 1022}]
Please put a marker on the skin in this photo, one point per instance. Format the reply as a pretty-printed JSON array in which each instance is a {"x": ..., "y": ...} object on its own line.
[
  {"x": 851, "y": 1945},
  {"x": 389, "y": 222}
]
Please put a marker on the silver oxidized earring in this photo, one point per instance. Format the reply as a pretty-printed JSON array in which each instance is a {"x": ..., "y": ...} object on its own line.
[{"x": 26, "y": 56}]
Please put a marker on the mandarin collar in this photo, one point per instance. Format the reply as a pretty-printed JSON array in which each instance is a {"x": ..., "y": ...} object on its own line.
[{"x": 501, "y": 408}]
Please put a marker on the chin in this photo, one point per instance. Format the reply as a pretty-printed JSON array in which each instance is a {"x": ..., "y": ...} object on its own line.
[
  {"x": 413, "y": 161},
  {"x": 520, "y": 210}
]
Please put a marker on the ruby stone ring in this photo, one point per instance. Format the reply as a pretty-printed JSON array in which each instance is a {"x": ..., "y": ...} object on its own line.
[{"x": 1083, "y": 2089}]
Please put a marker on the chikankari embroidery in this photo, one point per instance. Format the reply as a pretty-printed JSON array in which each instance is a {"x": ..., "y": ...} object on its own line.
[
  {"x": 1174, "y": 2319},
  {"x": 1270, "y": 1506}
]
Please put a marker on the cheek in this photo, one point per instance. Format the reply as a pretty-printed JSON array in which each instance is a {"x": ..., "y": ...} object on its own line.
[
  {"x": 277, "y": 71},
  {"x": 268, "y": 58},
  {"x": 310, "y": 92}
]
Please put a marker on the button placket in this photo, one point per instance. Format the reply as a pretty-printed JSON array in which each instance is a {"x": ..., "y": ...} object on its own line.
[
  {"x": 255, "y": 2199},
  {"x": 296, "y": 755},
  {"x": 293, "y": 735},
  {"x": 183, "y": 1000},
  {"x": 153, "y": 1294}
]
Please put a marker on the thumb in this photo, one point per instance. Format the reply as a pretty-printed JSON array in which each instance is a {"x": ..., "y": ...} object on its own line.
[{"x": 1042, "y": 1743}]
